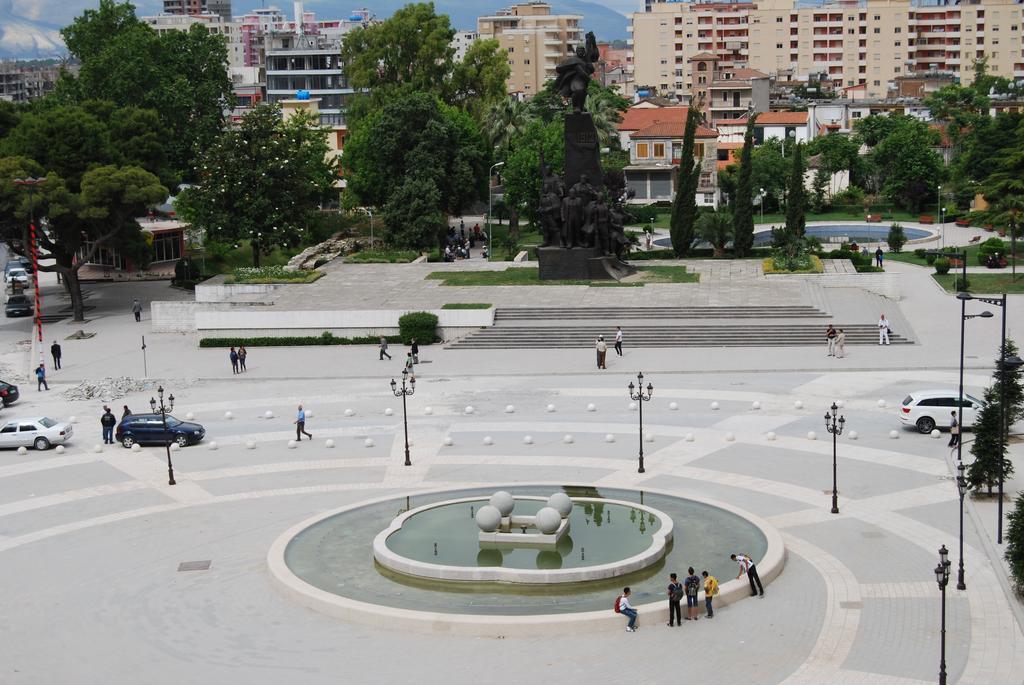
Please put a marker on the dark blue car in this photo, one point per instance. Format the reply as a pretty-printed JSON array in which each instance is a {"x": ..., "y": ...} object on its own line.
[{"x": 148, "y": 429}]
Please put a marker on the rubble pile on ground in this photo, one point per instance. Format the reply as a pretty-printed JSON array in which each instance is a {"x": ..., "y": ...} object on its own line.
[
  {"x": 107, "y": 389},
  {"x": 319, "y": 254}
]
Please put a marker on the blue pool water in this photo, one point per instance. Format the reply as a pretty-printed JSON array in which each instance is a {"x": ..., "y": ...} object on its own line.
[{"x": 834, "y": 235}]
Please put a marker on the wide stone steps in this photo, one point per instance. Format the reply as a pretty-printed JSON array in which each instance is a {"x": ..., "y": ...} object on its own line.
[
  {"x": 656, "y": 335},
  {"x": 504, "y": 315}
]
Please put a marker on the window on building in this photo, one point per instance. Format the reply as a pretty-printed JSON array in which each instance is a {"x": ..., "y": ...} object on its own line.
[
  {"x": 166, "y": 247},
  {"x": 511, "y": 49},
  {"x": 899, "y": 43},
  {"x": 896, "y": 69},
  {"x": 900, "y": 30},
  {"x": 877, "y": 30},
  {"x": 659, "y": 150},
  {"x": 778, "y": 20},
  {"x": 850, "y": 31},
  {"x": 642, "y": 151},
  {"x": 849, "y": 83},
  {"x": 878, "y": 17},
  {"x": 778, "y": 46},
  {"x": 877, "y": 83},
  {"x": 855, "y": 115},
  {"x": 526, "y": 61},
  {"x": 698, "y": 150}
]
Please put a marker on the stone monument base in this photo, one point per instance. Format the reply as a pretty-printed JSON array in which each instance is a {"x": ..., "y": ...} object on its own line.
[{"x": 579, "y": 263}]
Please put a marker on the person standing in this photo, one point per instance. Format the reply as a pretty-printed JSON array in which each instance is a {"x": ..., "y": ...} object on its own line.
[
  {"x": 415, "y": 349},
  {"x": 710, "y": 590},
  {"x": 747, "y": 566},
  {"x": 55, "y": 353},
  {"x": 410, "y": 365},
  {"x": 234, "y": 360},
  {"x": 602, "y": 352},
  {"x": 618, "y": 340},
  {"x": 137, "y": 309},
  {"x": 692, "y": 586},
  {"x": 954, "y": 430},
  {"x": 883, "y": 330},
  {"x": 625, "y": 608},
  {"x": 675, "y": 596},
  {"x": 841, "y": 344},
  {"x": 108, "y": 421},
  {"x": 242, "y": 354},
  {"x": 383, "y": 346},
  {"x": 300, "y": 425},
  {"x": 879, "y": 255},
  {"x": 830, "y": 338},
  {"x": 126, "y": 413},
  {"x": 41, "y": 378}
]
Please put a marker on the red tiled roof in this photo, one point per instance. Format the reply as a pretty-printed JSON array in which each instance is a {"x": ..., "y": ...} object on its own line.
[
  {"x": 672, "y": 130},
  {"x": 702, "y": 56},
  {"x": 731, "y": 122},
  {"x": 748, "y": 73},
  {"x": 772, "y": 118},
  {"x": 636, "y": 118}
]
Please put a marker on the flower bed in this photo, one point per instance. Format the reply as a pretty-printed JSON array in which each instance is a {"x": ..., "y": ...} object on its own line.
[{"x": 271, "y": 274}]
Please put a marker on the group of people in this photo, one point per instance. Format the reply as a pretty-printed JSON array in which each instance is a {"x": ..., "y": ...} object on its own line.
[
  {"x": 601, "y": 348},
  {"x": 690, "y": 588},
  {"x": 412, "y": 357},
  {"x": 40, "y": 371},
  {"x": 459, "y": 244},
  {"x": 108, "y": 421},
  {"x": 238, "y": 359},
  {"x": 836, "y": 339}
]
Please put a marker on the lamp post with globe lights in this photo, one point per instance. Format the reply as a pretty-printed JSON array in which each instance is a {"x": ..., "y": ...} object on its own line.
[
  {"x": 942, "y": 578},
  {"x": 404, "y": 392},
  {"x": 835, "y": 427},
  {"x": 639, "y": 397},
  {"x": 961, "y": 488},
  {"x": 164, "y": 410}
]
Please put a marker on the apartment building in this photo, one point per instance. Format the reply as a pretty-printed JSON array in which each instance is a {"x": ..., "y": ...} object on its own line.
[
  {"x": 461, "y": 42},
  {"x": 860, "y": 47},
  {"x": 534, "y": 40},
  {"x": 24, "y": 82},
  {"x": 727, "y": 92},
  {"x": 184, "y": 6}
]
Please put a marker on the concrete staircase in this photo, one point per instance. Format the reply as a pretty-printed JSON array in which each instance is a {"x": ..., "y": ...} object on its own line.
[{"x": 506, "y": 315}]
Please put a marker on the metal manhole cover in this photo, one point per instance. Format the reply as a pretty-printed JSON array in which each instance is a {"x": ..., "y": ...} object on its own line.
[{"x": 194, "y": 566}]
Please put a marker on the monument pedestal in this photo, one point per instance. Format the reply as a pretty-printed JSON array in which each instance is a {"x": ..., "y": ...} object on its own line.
[
  {"x": 582, "y": 150},
  {"x": 579, "y": 263}
]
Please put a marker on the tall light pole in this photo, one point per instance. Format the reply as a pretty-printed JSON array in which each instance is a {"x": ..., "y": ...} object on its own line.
[
  {"x": 938, "y": 210},
  {"x": 836, "y": 429},
  {"x": 961, "y": 488},
  {"x": 31, "y": 183},
  {"x": 404, "y": 392},
  {"x": 369, "y": 213},
  {"x": 640, "y": 398},
  {"x": 163, "y": 410},
  {"x": 942, "y": 578},
  {"x": 490, "y": 207},
  {"x": 761, "y": 203}
]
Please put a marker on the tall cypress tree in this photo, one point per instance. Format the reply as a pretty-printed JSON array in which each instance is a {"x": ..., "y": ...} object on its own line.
[
  {"x": 988, "y": 448},
  {"x": 743, "y": 206},
  {"x": 796, "y": 195},
  {"x": 684, "y": 207}
]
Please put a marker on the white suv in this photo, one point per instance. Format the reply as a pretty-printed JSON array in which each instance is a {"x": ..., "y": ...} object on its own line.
[{"x": 927, "y": 409}]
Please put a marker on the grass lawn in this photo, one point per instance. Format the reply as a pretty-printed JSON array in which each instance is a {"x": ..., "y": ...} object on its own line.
[
  {"x": 467, "y": 305},
  {"x": 529, "y": 276},
  {"x": 382, "y": 257},
  {"x": 909, "y": 257},
  {"x": 842, "y": 214},
  {"x": 987, "y": 284}
]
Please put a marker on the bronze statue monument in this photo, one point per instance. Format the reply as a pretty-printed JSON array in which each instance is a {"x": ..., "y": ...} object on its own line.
[{"x": 574, "y": 73}]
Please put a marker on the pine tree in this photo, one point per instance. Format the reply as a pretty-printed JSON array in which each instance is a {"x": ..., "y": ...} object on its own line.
[
  {"x": 1014, "y": 389},
  {"x": 819, "y": 196},
  {"x": 684, "y": 207},
  {"x": 989, "y": 447},
  {"x": 796, "y": 195},
  {"x": 743, "y": 207},
  {"x": 1015, "y": 542}
]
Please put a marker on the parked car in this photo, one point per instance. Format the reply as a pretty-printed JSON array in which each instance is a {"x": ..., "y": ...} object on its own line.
[
  {"x": 19, "y": 263},
  {"x": 148, "y": 429},
  {"x": 39, "y": 432},
  {"x": 16, "y": 275},
  {"x": 8, "y": 393},
  {"x": 18, "y": 305},
  {"x": 927, "y": 409}
]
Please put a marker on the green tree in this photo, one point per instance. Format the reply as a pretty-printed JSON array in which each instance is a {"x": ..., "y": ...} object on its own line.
[
  {"x": 684, "y": 206},
  {"x": 65, "y": 140},
  {"x": 480, "y": 79},
  {"x": 769, "y": 170},
  {"x": 90, "y": 33},
  {"x": 1014, "y": 554},
  {"x": 10, "y": 114},
  {"x": 819, "y": 190},
  {"x": 908, "y": 167},
  {"x": 1004, "y": 186},
  {"x": 521, "y": 173},
  {"x": 14, "y": 200},
  {"x": 961, "y": 106},
  {"x": 743, "y": 206},
  {"x": 716, "y": 228},
  {"x": 261, "y": 181},
  {"x": 796, "y": 195},
  {"x": 983, "y": 147},
  {"x": 839, "y": 153},
  {"x": 896, "y": 238},
  {"x": 989, "y": 447},
  {"x": 1014, "y": 389}
]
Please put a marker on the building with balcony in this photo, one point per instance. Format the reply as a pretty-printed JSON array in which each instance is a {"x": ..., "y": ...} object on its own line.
[
  {"x": 461, "y": 42},
  {"x": 727, "y": 92}
]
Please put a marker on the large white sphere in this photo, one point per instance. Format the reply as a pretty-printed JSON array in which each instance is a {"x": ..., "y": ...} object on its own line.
[
  {"x": 448, "y": 441},
  {"x": 135, "y": 448},
  {"x": 853, "y": 435},
  {"x": 175, "y": 447},
  {"x": 548, "y": 520},
  {"x": 550, "y": 408},
  {"x": 268, "y": 414},
  {"x": 292, "y": 444},
  {"x": 893, "y": 435},
  {"x": 24, "y": 450},
  {"x": 250, "y": 444},
  {"x": 469, "y": 409},
  {"x": 368, "y": 442},
  {"x": 609, "y": 438},
  {"x": 59, "y": 449},
  {"x": 673, "y": 406},
  {"x": 688, "y": 437},
  {"x": 840, "y": 404},
  {"x": 770, "y": 436},
  {"x": 228, "y": 415},
  {"x": 881, "y": 404},
  {"x": 510, "y": 409},
  {"x": 527, "y": 439},
  {"x": 72, "y": 419},
  {"x": 632, "y": 406},
  {"x": 561, "y": 503},
  {"x": 729, "y": 437},
  {"x": 389, "y": 411},
  {"x": 567, "y": 439},
  {"x": 309, "y": 413},
  {"x": 488, "y": 440},
  {"x": 213, "y": 445},
  {"x": 488, "y": 518},
  {"x": 428, "y": 410},
  {"x": 189, "y": 416},
  {"x": 349, "y": 412},
  {"x": 811, "y": 435},
  {"x": 648, "y": 437},
  {"x": 329, "y": 443},
  {"x": 755, "y": 405},
  {"x": 591, "y": 407},
  {"x": 798, "y": 405},
  {"x": 503, "y": 501},
  {"x": 936, "y": 433},
  {"x": 714, "y": 406},
  {"x": 97, "y": 448}
]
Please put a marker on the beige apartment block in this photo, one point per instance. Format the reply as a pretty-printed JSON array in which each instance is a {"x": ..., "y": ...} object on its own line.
[
  {"x": 534, "y": 40},
  {"x": 859, "y": 48}
]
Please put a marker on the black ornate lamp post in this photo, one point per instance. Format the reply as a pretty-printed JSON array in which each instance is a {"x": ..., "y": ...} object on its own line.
[
  {"x": 942, "y": 578},
  {"x": 836, "y": 429},
  {"x": 640, "y": 397},
  {"x": 964, "y": 316},
  {"x": 404, "y": 392},
  {"x": 164, "y": 410},
  {"x": 961, "y": 487}
]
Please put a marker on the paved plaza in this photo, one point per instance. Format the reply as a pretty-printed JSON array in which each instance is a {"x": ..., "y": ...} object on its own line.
[{"x": 91, "y": 543}]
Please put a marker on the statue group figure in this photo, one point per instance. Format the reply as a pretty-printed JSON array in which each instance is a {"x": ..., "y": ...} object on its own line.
[{"x": 582, "y": 217}]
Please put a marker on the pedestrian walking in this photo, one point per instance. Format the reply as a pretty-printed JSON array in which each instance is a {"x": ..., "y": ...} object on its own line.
[
  {"x": 830, "y": 338},
  {"x": 954, "y": 430},
  {"x": 841, "y": 344},
  {"x": 410, "y": 366},
  {"x": 883, "y": 330},
  {"x": 618, "y": 340},
  {"x": 622, "y": 606},
  {"x": 300, "y": 425},
  {"x": 415, "y": 349},
  {"x": 234, "y": 360},
  {"x": 710, "y": 591},
  {"x": 747, "y": 566},
  {"x": 879, "y": 256},
  {"x": 41, "y": 378},
  {"x": 602, "y": 352},
  {"x": 137, "y": 309},
  {"x": 692, "y": 586},
  {"x": 383, "y": 346},
  {"x": 108, "y": 421},
  {"x": 55, "y": 353},
  {"x": 126, "y": 413},
  {"x": 242, "y": 354},
  {"x": 675, "y": 596}
]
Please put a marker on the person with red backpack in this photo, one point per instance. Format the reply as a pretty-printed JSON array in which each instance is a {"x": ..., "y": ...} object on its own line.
[{"x": 622, "y": 606}]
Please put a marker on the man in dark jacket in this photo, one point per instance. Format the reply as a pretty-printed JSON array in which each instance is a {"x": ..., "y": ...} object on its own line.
[
  {"x": 108, "y": 421},
  {"x": 55, "y": 351}
]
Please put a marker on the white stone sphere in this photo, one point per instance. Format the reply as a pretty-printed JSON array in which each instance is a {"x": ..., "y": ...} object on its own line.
[
  {"x": 548, "y": 520},
  {"x": 330, "y": 443},
  {"x": 632, "y": 406},
  {"x": 59, "y": 449},
  {"x": 881, "y": 404},
  {"x": 72, "y": 419},
  {"x": 688, "y": 437},
  {"x": 228, "y": 415},
  {"x": 24, "y": 450},
  {"x": 292, "y": 444},
  {"x": 755, "y": 405},
  {"x": 389, "y": 411},
  {"x": 268, "y": 414},
  {"x": 729, "y": 437},
  {"x": 309, "y": 413},
  {"x": 488, "y": 518},
  {"x": 567, "y": 439},
  {"x": 840, "y": 404},
  {"x": 189, "y": 416},
  {"x": 213, "y": 445},
  {"x": 503, "y": 501},
  {"x": 648, "y": 437},
  {"x": 609, "y": 438},
  {"x": 468, "y": 409},
  {"x": 428, "y": 410},
  {"x": 673, "y": 406},
  {"x": 368, "y": 442},
  {"x": 561, "y": 503},
  {"x": 811, "y": 435},
  {"x": 527, "y": 439},
  {"x": 770, "y": 435},
  {"x": 510, "y": 409},
  {"x": 798, "y": 405},
  {"x": 135, "y": 448},
  {"x": 448, "y": 441},
  {"x": 936, "y": 433},
  {"x": 714, "y": 406},
  {"x": 894, "y": 435},
  {"x": 550, "y": 408},
  {"x": 488, "y": 440},
  {"x": 349, "y": 412},
  {"x": 250, "y": 444},
  {"x": 175, "y": 447},
  {"x": 591, "y": 407},
  {"x": 853, "y": 435},
  {"x": 97, "y": 448}
]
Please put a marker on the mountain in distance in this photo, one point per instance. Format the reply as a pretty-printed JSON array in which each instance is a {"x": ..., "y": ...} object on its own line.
[{"x": 22, "y": 38}]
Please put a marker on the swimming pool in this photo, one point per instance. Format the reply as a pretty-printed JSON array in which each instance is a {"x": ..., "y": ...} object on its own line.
[{"x": 832, "y": 234}]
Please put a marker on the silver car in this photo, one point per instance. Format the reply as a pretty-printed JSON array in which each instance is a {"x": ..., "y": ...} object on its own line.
[{"x": 40, "y": 432}]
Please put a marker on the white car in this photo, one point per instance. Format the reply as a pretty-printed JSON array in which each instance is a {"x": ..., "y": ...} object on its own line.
[
  {"x": 16, "y": 276},
  {"x": 39, "y": 432},
  {"x": 928, "y": 409}
]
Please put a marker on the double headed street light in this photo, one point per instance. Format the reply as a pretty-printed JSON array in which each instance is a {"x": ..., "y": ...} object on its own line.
[
  {"x": 164, "y": 410},
  {"x": 961, "y": 488},
  {"x": 836, "y": 429},
  {"x": 639, "y": 397},
  {"x": 942, "y": 578},
  {"x": 404, "y": 392}
]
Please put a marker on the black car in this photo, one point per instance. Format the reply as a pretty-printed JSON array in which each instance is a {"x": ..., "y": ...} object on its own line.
[
  {"x": 8, "y": 393},
  {"x": 148, "y": 429},
  {"x": 19, "y": 305}
]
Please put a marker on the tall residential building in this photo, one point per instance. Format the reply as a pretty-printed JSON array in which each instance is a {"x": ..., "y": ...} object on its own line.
[
  {"x": 222, "y": 8},
  {"x": 461, "y": 42},
  {"x": 858, "y": 48},
  {"x": 535, "y": 41},
  {"x": 23, "y": 82},
  {"x": 184, "y": 6}
]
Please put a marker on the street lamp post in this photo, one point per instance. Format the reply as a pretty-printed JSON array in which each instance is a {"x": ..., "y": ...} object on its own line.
[
  {"x": 942, "y": 578},
  {"x": 836, "y": 429},
  {"x": 490, "y": 207},
  {"x": 961, "y": 488},
  {"x": 369, "y": 213},
  {"x": 404, "y": 392},
  {"x": 938, "y": 210},
  {"x": 761, "y": 203},
  {"x": 31, "y": 183},
  {"x": 640, "y": 398},
  {"x": 163, "y": 410}
]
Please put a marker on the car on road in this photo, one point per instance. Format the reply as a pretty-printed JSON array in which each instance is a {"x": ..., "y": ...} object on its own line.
[
  {"x": 19, "y": 263},
  {"x": 18, "y": 305},
  {"x": 16, "y": 275},
  {"x": 928, "y": 409},
  {"x": 148, "y": 429},
  {"x": 8, "y": 393},
  {"x": 40, "y": 432}
]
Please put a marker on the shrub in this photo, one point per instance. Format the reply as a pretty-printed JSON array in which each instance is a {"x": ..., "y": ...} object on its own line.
[
  {"x": 1015, "y": 542},
  {"x": 930, "y": 257},
  {"x": 921, "y": 253},
  {"x": 644, "y": 214},
  {"x": 868, "y": 269},
  {"x": 467, "y": 305},
  {"x": 990, "y": 247},
  {"x": 186, "y": 271},
  {"x": 896, "y": 238},
  {"x": 419, "y": 325},
  {"x": 272, "y": 274},
  {"x": 327, "y": 338},
  {"x": 941, "y": 265}
]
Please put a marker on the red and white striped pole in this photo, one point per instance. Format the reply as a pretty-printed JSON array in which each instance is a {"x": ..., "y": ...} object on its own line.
[{"x": 34, "y": 251}]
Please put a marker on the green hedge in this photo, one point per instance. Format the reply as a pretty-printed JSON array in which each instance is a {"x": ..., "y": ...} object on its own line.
[
  {"x": 467, "y": 305},
  {"x": 942, "y": 265},
  {"x": 292, "y": 341},
  {"x": 419, "y": 325}
]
